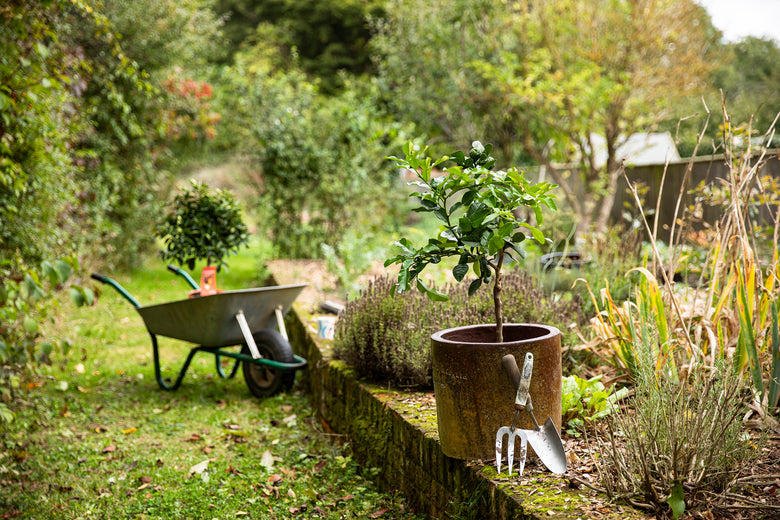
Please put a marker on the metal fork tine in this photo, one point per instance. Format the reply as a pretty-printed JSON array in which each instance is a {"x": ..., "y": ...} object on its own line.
[
  {"x": 510, "y": 448},
  {"x": 523, "y": 452},
  {"x": 499, "y": 445},
  {"x": 510, "y": 451}
]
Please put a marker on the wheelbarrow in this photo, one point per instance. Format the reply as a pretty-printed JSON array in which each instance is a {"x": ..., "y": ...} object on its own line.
[{"x": 244, "y": 318}]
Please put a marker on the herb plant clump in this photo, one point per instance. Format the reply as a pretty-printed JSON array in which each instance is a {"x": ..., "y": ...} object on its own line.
[
  {"x": 478, "y": 207},
  {"x": 202, "y": 226},
  {"x": 383, "y": 336}
]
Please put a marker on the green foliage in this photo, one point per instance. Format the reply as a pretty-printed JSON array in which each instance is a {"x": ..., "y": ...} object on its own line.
[
  {"x": 202, "y": 226},
  {"x": 385, "y": 336},
  {"x": 479, "y": 211},
  {"x": 26, "y": 303},
  {"x": 746, "y": 78},
  {"x": 37, "y": 179},
  {"x": 587, "y": 400},
  {"x": 352, "y": 257},
  {"x": 83, "y": 142},
  {"x": 319, "y": 175},
  {"x": 425, "y": 52},
  {"x": 325, "y": 38}
]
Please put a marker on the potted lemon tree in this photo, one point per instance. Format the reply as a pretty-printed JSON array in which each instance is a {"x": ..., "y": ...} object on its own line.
[{"x": 481, "y": 226}]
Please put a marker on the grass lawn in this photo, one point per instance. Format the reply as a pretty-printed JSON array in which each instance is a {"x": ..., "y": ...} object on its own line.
[{"x": 94, "y": 436}]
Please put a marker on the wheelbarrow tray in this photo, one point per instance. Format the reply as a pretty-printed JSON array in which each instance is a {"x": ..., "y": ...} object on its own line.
[{"x": 210, "y": 321}]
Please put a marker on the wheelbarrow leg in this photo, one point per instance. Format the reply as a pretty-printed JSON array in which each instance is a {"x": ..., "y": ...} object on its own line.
[
  {"x": 221, "y": 372},
  {"x": 157, "y": 371}
]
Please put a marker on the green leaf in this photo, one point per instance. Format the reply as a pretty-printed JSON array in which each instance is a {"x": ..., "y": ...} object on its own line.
[
  {"x": 475, "y": 285},
  {"x": 63, "y": 270},
  {"x": 433, "y": 294},
  {"x": 464, "y": 223},
  {"x": 677, "y": 500},
  {"x": 495, "y": 245},
  {"x": 30, "y": 325},
  {"x": 77, "y": 297},
  {"x": 506, "y": 229},
  {"x": 460, "y": 271}
]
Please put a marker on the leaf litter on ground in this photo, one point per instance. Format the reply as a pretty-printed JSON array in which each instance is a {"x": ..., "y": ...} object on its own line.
[{"x": 94, "y": 437}]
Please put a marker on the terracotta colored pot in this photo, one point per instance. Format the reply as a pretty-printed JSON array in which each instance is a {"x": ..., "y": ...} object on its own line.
[{"x": 475, "y": 397}]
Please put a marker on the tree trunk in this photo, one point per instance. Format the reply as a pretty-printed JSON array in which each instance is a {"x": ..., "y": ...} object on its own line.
[
  {"x": 497, "y": 299},
  {"x": 606, "y": 203}
]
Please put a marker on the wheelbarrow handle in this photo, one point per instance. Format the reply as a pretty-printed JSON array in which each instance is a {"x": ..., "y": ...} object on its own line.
[
  {"x": 99, "y": 277},
  {"x": 121, "y": 290},
  {"x": 184, "y": 274}
]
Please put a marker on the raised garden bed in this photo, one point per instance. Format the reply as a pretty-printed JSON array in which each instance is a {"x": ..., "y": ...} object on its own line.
[{"x": 396, "y": 432}]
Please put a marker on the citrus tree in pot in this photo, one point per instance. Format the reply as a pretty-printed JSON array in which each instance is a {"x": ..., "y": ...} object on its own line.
[
  {"x": 480, "y": 226},
  {"x": 202, "y": 225}
]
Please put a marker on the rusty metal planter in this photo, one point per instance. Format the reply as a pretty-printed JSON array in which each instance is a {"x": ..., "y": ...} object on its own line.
[{"x": 474, "y": 397}]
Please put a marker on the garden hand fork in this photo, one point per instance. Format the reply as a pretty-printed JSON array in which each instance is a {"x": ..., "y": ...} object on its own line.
[{"x": 520, "y": 401}]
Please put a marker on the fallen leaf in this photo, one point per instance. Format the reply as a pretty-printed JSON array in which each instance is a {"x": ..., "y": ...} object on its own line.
[
  {"x": 79, "y": 368},
  {"x": 287, "y": 408},
  {"x": 233, "y": 471},
  {"x": 267, "y": 459},
  {"x": 347, "y": 497},
  {"x": 379, "y": 513},
  {"x": 145, "y": 480},
  {"x": 320, "y": 466},
  {"x": 200, "y": 467},
  {"x": 109, "y": 449},
  {"x": 82, "y": 389},
  {"x": 130, "y": 430},
  {"x": 275, "y": 478},
  {"x": 291, "y": 493},
  {"x": 192, "y": 438},
  {"x": 159, "y": 463}
]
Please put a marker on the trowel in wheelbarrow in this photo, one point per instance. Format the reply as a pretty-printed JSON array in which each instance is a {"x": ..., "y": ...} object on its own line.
[{"x": 545, "y": 440}]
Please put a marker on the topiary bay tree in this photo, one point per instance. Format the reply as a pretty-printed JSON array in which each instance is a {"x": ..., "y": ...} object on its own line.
[{"x": 202, "y": 225}]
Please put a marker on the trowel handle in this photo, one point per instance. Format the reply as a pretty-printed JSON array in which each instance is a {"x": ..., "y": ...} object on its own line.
[
  {"x": 511, "y": 369},
  {"x": 510, "y": 366}
]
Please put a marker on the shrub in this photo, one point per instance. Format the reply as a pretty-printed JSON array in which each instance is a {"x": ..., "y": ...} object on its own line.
[
  {"x": 385, "y": 337},
  {"x": 678, "y": 442},
  {"x": 318, "y": 159},
  {"x": 27, "y": 302}
]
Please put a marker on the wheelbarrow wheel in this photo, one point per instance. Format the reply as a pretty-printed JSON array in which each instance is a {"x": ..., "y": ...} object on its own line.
[{"x": 262, "y": 380}]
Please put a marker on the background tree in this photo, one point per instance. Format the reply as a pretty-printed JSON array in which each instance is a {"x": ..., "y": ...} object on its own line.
[
  {"x": 324, "y": 38},
  {"x": 748, "y": 78},
  {"x": 425, "y": 51},
  {"x": 603, "y": 68},
  {"x": 540, "y": 79}
]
